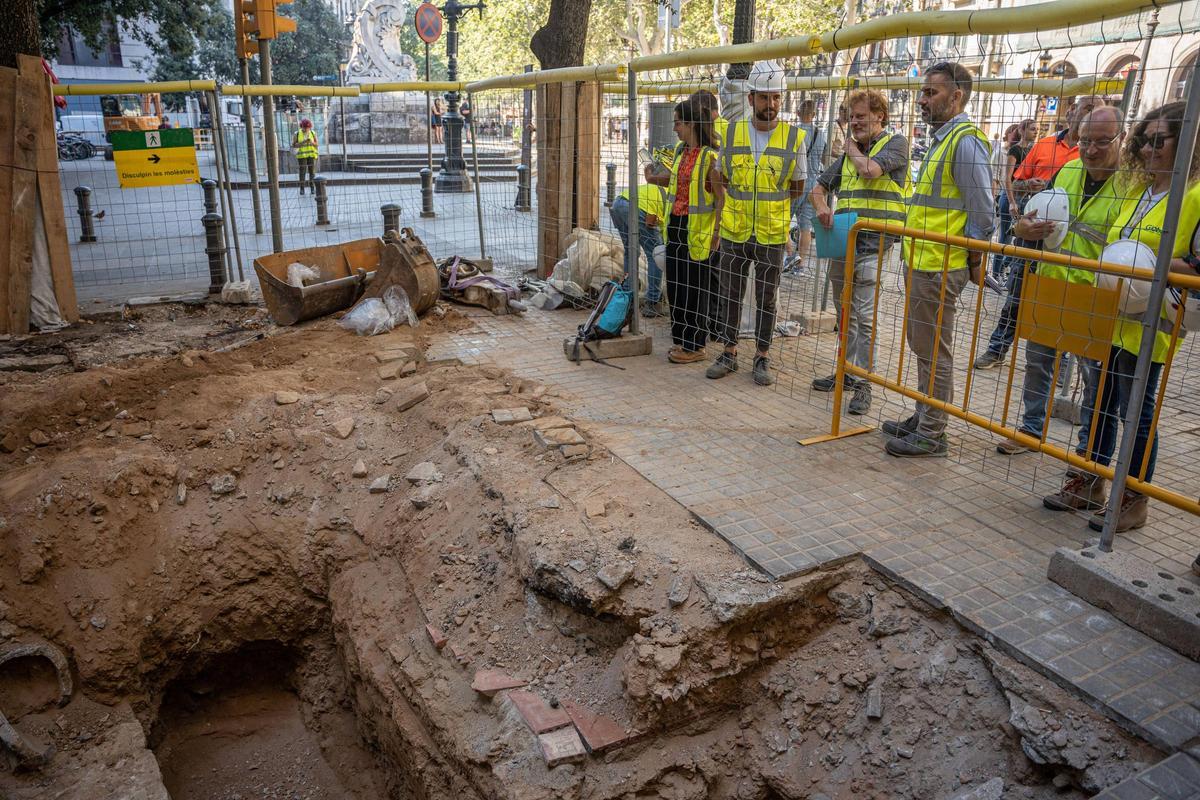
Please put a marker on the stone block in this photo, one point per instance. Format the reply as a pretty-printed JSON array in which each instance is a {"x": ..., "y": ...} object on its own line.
[
  {"x": 550, "y": 423},
  {"x": 488, "y": 682},
  {"x": 614, "y": 575},
  {"x": 817, "y": 321},
  {"x": 681, "y": 587},
  {"x": 573, "y": 451},
  {"x": 381, "y": 484},
  {"x": 390, "y": 371},
  {"x": 509, "y": 416},
  {"x": 594, "y": 507},
  {"x": 539, "y": 715},
  {"x": 561, "y": 746},
  {"x": 342, "y": 428},
  {"x": 874, "y": 702},
  {"x": 425, "y": 472},
  {"x": 1134, "y": 591},
  {"x": 286, "y": 398},
  {"x": 623, "y": 347},
  {"x": 410, "y": 395},
  {"x": 558, "y": 437},
  {"x": 392, "y": 354},
  {"x": 599, "y": 733}
]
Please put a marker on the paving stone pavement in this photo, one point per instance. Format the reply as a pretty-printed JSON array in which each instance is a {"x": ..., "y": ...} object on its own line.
[
  {"x": 966, "y": 533},
  {"x": 1174, "y": 778}
]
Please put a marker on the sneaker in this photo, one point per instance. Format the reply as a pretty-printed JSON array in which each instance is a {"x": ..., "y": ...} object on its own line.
[
  {"x": 725, "y": 364},
  {"x": 1011, "y": 447},
  {"x": 994, "y": 284},
  {"x": 651, "y": 310},
  {"x": 1080, "y": 491},
  {"x": 762, "y": 373},
  {"x": 915, "y": 445},
  {"x": 1134, "y": 508},
  {"x": 681, "y": 356},
  {"x": 902, "y": 428},
  {"x": 1196, "y": 566},
  {"x": 860, "y": 403},
  {"x": 989, "y": 360},
  {"x": 826, "y": 384}
]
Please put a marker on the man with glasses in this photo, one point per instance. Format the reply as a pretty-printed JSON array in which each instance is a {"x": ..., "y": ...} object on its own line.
[
  {"x": 1041, "y": 164},
  {"x": 1095, "y": 195}
]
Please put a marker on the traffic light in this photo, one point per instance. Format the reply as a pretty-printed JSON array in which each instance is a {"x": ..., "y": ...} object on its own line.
[
  {"x": 244, "y": 28},
  {"x": 271, "y": 23}
]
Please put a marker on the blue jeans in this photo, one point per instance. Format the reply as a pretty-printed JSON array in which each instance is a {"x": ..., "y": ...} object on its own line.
[
  {"x": 648, "y": 239},
  {"x": 1039, "y": 385},
  {"x": 1115, "y": 402},
  {"x": 1000, "y": 263},
  {"x": 1006, "y": 327}
]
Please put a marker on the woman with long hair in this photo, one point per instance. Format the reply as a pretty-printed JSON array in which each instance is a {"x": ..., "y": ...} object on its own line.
[
  {"x": 694, "y": 202},
  {"x": 1147, "y": 164},
  {"x": 435, "y": 120}
]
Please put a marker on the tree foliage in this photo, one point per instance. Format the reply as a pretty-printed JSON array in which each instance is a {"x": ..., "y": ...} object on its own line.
[
  {"x": 165, "y": 27},
  {"x": 318, "y": 46}
]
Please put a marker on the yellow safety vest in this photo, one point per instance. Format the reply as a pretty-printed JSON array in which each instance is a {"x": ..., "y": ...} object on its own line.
[
  {"x": 1128, "y": 333},
  {"x": 1087, "y": 232},
  {"x": 757, "y": 197},
  {"x": 307, "y": 141},
  {"x": 937, "y": 205},
  {"x": 874, "y": 198},
  {"x": 720, "y": 129},
  {"x": 702, "y": 206},
  {"x": 652, "y": 199}
]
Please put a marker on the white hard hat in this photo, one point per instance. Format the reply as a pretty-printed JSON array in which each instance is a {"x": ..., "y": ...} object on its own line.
[{"x": 765, "y": 76}]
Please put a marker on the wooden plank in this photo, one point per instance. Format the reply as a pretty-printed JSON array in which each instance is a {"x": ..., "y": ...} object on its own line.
[
  {"x": 6, "y": 178},
  {"x": 55, "y": 221},
  {"x": 587, "y": 157},
  {"x": 35, "y": 81},
  {"x": 548, "y": 114},
  {"x": 566, "y": 167},
  {"x": 8, "y": 91},
  {"x": 20, "y": 248}
]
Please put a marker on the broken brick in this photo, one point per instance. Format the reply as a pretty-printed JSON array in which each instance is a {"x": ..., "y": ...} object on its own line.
[
  {"x": 594, "y": 507},
  {"x": 573, "y": 451},
  {"x": 460, "y": 655},
  {"x": 390, "y": 371},
  {"x": 557, "y": 437},
  {"x": 343, "y": 428},
  {"x": 410, "y": 395},
  {"x": 436, "y": 637},
  {"x": 487, "y": 682},
  {"x": 599, "y": 732},
  {"x": 539, "y": 715},
  {"x": 561, "y": 746},
  {"x": 507, "y": 416}
]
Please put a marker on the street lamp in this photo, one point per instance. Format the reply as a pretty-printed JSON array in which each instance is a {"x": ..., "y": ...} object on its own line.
[
  {"x": 1044, "y": 63},
  {"x": 453, "y": 175}
]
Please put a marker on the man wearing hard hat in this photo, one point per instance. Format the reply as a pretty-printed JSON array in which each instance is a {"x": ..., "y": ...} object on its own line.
[{"x": 762, "y": 168}]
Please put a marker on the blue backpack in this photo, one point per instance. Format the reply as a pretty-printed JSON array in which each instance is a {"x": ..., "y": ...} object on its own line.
[{"x": 612, "y": 313}]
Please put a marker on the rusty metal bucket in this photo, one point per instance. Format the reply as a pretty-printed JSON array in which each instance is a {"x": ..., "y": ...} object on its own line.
[{"x": 345, "y": 271}]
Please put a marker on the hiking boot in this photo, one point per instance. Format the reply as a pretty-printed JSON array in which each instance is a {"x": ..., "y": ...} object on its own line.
[
  {"x": 915, "y": 445},
  {"x": 1080, "y": 491},
  {"x": 989, "y": 360},
  {"x": 898, "y": 430},
  {"x": 1011, "y": 447},
  {"x": 1134, "y": 508},
  {"x": 682, "y": 356},
  {"x": 860, "y": 403},
  {"x": 827, "y": 383},
  {"x": 762, "y": 373},
  {"x": 725, "y": 364}
]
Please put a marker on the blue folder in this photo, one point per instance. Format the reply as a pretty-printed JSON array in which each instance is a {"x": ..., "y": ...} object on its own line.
[{"x": 831, "y": 242}]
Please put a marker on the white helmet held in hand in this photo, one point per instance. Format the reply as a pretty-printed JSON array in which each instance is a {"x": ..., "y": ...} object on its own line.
[{"x": 765, "y": 76}]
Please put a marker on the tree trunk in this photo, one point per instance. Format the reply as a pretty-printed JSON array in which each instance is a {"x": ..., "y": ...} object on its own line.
[
  {"x": 21, "y": 34},
  {"x": 560, "y": 42}
]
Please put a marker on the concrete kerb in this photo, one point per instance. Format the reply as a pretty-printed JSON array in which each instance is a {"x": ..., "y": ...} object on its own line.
[{"x": 1147, "y": 599}]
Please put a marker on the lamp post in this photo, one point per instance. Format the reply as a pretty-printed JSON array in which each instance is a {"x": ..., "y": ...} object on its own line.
[
  {"x": 453, "y": 175},
  {"x": 1028, "y": 74}
]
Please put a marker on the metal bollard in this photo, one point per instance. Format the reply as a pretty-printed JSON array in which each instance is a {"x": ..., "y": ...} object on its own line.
[
  {"x": 210, "y": 195},
  {"x": 322, "y": 199},
  {"x": 427, "y": 193},
  {"x": 612, "y": 184},
  {"x": 87, "y": 231},
  {"x": 391, "y": 218},
  {"x": 522, "y": 203},
  {"x": 214, "y": 236}
]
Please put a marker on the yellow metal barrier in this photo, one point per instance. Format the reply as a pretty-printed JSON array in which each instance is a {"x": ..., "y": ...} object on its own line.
[
  {"x": 163, "y": 87},
  {"x": 289, "y": 90},
  {"x": 1088, "y": 333}
]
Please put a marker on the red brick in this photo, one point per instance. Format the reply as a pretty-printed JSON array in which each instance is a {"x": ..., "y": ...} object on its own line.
[
  {"x": 488, "y": 682},
  {"x": 537, "y": 713},
  {"x": 598, "y": 732},
  {"x": 460, "y": 654},
  {"x": 436, "y": 636}
]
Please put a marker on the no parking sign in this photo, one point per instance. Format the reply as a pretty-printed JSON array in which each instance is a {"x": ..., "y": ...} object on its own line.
[{"x": 429, "y": 22}]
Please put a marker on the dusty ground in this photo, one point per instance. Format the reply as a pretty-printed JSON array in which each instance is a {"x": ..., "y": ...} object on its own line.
[{"x": 245, "y": 618}]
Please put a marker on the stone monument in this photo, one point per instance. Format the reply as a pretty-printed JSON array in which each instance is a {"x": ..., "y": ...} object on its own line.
[{"x": 376, "y": 56}]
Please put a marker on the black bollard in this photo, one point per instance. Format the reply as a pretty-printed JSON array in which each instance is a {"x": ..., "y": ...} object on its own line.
[
  {"x": 210, "y": 195},
  {"x": 322, "y": 199},
  {"x": 214, "y": 235},
  {"x": 427, "y": 193},
  {"x": 391, "y": 218},
  {"x": 612, "y": 184},
  {"x": 87, "y": 231},
  {"x": 522, "y": 203}
]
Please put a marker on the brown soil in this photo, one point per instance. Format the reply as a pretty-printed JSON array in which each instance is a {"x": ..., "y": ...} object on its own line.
[{"x": 269, "y": 640}]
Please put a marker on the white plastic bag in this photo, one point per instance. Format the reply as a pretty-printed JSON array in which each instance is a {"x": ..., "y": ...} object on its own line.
[
  {"x": 374, "y": 315},
  {"x": 300, "y": 275}
]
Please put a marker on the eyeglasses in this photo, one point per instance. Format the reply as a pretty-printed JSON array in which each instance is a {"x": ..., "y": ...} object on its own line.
[
  {"x": 1156, "y": 142},
  {"x": 1099, "y": 144}
]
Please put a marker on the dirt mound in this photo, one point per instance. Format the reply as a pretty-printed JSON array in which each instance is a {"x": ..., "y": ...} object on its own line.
[{"x": 278, "y": 560}]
